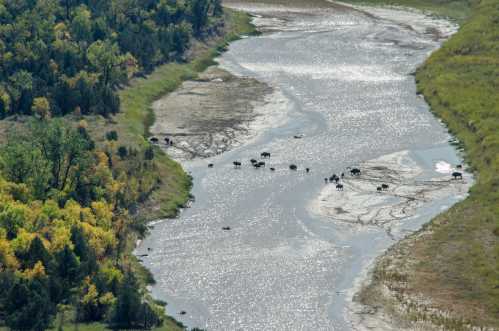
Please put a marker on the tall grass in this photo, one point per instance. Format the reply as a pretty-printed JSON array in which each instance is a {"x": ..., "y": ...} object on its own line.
[{"x": 461, "y": 83}]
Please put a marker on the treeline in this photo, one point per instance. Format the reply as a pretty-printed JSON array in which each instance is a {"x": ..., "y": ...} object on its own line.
[
  {"x": 65, "y": 222},
  {"x": 64, "y": 56}
]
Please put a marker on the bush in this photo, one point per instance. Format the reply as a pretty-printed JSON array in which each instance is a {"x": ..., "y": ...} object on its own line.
[
  {"x": 122, "y": 152},
  {"x": 149, "y": 153},
  {"x": 112, "y": 135}
]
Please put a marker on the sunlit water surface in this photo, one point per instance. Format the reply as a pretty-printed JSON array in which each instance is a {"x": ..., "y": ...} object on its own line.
[{"x": 348, "y": 88}]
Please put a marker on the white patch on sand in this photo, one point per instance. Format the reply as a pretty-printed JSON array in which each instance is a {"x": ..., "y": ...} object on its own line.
[{"x": 443, "y": 167}]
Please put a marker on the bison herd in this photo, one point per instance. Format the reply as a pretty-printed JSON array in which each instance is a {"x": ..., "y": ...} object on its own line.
[{"x": 333, "y": 179}]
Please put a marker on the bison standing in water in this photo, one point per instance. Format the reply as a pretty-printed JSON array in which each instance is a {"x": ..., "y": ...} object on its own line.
[
  {"x": 293, "y": 167},
  {"x": 355, "y": 172},
  {"x": 339, "y": 187},
  {"x": 457, "y": 175},
  {"x": 265, "y": 155},
  {"x": 236, "y": 164},
  {"x": 384, "y": 187}
]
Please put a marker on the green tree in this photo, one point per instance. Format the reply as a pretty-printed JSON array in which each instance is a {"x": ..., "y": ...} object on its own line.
[
  {"x": 20, "y": 88},
  {"x": 106, "y": 59},
  {"x": 81, "y": 25},
  {"x": 112, "y": 135},
  {"x": 129, "y": 301},
  {"x": 199, "y": 14},
  {"x": 35, "y": 253},
  {"x": 64, "y": 148},
  {"x": 217, "y": 8},
  {"x": 149, "y": 153},
  {"x": 28, "y": 306},
  {"x": 11, "y": 219},
  {"x": 122, "y": 152}
]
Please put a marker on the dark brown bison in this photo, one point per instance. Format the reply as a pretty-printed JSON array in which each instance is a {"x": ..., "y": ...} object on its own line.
[
  {"x": 457, "y": 175},
  {"x": 355, "y": 172}
]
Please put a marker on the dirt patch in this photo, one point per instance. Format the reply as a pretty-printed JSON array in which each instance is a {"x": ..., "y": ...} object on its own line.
[
  {"x": 209, "y": 115},
  {"x": 395, "y": 299}
]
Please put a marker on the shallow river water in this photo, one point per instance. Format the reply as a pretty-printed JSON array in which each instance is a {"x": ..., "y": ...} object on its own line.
[{"x": 342, "y": 79}]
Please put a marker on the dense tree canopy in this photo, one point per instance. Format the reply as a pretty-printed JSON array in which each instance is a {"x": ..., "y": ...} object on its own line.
[
  {"x": 64, "y": 221},
  {"x": 60, "y": 56}
]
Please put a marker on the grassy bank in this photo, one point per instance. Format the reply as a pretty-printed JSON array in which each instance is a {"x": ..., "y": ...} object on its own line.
[{"x": 448, "y": 273}]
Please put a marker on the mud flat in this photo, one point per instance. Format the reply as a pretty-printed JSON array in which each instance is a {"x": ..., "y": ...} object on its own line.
[
  {"x": 360, "y": 201},
  {"x": 214, "y": 113}
]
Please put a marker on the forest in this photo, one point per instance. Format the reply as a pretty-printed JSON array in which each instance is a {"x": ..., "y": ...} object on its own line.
[
  {"x": 64, "y": 224},
  {"x": 68, "y": 202},
  {"x": 70, "y": 56}
]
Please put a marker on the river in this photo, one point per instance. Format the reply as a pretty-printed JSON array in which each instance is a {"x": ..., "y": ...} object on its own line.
[{"x": 343, "y": 81}]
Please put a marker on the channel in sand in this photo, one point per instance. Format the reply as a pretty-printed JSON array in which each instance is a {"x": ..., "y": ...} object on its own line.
[{"x": 291, "y": 255}]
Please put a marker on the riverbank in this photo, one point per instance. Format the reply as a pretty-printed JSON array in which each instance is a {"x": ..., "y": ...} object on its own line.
[
  {"x": 132, "y": 127},
  {"x": 136, "y": 117},
  {"x": 445, "y": 275}
]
